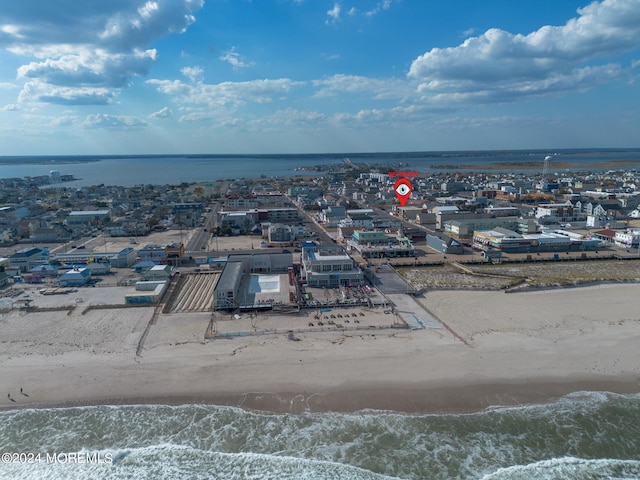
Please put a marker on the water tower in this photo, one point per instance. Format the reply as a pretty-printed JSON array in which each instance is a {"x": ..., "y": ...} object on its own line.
[
  {"x": 546, "y": 166},
  {"x": 54, "y": 181},
  {"x": 545, "y": 173}
]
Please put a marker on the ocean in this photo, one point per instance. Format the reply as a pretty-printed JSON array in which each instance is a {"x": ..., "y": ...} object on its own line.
[
  {"x": 585, "y": 435},
  {"x": 173, "y": 169}
]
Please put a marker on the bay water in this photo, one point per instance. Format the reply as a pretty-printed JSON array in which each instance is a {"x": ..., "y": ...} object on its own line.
[{"x": 174, "y": 169}]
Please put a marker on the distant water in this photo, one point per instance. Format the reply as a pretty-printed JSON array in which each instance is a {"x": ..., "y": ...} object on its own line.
[
  {"x": 586, "y": 435},
  {"x": 172, "y": 169}
]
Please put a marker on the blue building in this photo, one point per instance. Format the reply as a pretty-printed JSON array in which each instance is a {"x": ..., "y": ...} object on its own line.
[{"x": 75, "y": 277}]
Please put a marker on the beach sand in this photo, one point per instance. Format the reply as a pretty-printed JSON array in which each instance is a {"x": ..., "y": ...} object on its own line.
[{"x": 497, "y": 349}]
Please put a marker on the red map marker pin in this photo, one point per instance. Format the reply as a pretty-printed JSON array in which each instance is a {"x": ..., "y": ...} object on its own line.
[{"x": 402, "y": 189}]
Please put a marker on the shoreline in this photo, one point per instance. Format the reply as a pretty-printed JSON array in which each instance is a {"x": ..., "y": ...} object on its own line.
[{"x": 438, "y": 399}]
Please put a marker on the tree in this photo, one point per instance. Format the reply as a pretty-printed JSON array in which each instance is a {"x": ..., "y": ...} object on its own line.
[{"x": 152, "y": 221}]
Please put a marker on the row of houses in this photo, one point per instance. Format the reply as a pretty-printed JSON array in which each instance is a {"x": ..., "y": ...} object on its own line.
[{"x": 37, "y": 262}]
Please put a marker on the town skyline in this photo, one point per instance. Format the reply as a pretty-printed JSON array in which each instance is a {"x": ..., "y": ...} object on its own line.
[{"x": 189, "y": 76}]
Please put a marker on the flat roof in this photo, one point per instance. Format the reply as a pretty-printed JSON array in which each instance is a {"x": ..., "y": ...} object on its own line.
[
  {"x": 332, "y": 257},
  {"x": 159, "y": 267},
  {"x": 89, "y": 212}
]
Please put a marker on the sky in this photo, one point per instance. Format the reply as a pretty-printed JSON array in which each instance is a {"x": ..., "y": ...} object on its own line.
[{"x": 97, "y": 77}]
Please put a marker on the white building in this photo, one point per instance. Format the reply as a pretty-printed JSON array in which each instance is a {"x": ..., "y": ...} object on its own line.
[
  {"x": 628, "y": 239},
  {"x": 557, "y": 212},
  {"x": 86, "y": 217},
  {"x": 329, "y": 266}
]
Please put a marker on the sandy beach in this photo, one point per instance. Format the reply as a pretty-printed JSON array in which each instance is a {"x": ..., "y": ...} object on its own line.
[{"x": 496, "y": 349}]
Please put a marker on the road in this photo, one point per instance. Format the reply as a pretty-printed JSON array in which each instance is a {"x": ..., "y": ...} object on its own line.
[
  {"x": 321, "y": 236},
  {"x": 200, "y": 239}
]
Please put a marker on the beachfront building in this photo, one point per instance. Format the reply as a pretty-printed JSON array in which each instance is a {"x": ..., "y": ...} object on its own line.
[
  {"x": 509, "y": 241},
  {"x": 225, "y": 293},
  {"x": 329, "y": 266},
  {"x": 257, "y": 281},
  {"x": 628, "y": 239},
  {"x": 263, "y": 262},
  {"x": 444, "y": 244},
  {"x": 377, "y": 244},
  {"x": 464, "y": 228},
  {"x": 149, "y": 292}
]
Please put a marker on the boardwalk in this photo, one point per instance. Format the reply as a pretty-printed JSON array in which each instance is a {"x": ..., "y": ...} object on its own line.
[{"x": 412, "y": 312}]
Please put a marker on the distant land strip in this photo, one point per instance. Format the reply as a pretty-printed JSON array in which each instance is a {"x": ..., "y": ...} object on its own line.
[{"x": 538, "y": 165}]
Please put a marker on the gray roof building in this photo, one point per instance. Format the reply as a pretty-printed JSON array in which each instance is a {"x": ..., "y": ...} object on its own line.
[{"x": 225, "y": 293}]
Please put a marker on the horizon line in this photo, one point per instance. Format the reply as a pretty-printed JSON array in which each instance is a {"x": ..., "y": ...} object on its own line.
[{"x": 346, "y": 154}]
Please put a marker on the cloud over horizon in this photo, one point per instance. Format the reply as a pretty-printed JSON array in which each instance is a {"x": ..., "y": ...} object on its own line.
[
  {"x": 500, "y": 66},
  {"x": 286, "y": 72},
  {"x": 86, "y": 52}
]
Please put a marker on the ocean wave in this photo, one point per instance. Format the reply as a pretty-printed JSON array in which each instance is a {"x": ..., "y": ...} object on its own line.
[
  {"x": 583, "y": 425},
  {"x": 175, "y": 462},
  {"x": 570, "y": 468}
]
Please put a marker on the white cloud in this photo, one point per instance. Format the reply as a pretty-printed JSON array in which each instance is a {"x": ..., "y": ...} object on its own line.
[
  {"x": 65, "y": 121},
  {"x": 101, "y": 120},
  {"x": 225, "y": 94},
  {"x": 333, "y": 14},
  {"x": 378, "y": 88},
  {"x": 293, "y": 118},
  {"x": 195, "y": 117},
  {"x": 193, "y": 73},
  {"x": 164, "y": 112},
  {"x": 90, "y": 44},
  {"x": 383, "y": 5},
  {"x": 90, "y": 67},
  {"x": 37, "y": 91},
  {"x": 11, "y": 107},
  {"x": 501, "y": 66},
  {"x": 233, "y": 58},
  {"x": 386, "y": 116},
  {"x": 331, "y": 56}
]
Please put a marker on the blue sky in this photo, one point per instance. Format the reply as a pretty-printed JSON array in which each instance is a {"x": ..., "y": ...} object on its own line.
[{"x": 306, "y": 76}]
